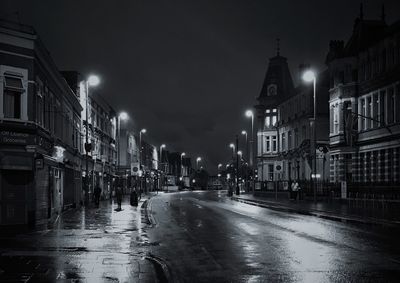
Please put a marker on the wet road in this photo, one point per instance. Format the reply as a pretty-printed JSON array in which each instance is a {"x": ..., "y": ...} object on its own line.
[
  {"x": 86, "y": 245},
  {"x": 206, "y": 237}
]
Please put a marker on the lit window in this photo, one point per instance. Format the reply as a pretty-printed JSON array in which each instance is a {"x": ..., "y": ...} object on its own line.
[{"x": 268, "y": 111}]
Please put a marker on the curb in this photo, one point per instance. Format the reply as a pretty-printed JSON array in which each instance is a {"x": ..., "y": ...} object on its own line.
[{"x": 322, "y": 215}]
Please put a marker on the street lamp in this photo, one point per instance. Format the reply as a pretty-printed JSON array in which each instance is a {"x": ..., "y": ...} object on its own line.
[
  {"x": 197, "y": 162},
  {"x": 142, "y": 131},
  {"x": 182, "y": 155},
  {"x": 250, "y": 114},
  {"x": 309, "y": 76},
  {"x": 161, "y": 167},
  {"x": 92, "y": 80},
  {"x": 231, "y": 145},
  {"x": 122, "y": 116},
  {"x": 246, "y": 143},
  {"x": 161, "y": 148}
]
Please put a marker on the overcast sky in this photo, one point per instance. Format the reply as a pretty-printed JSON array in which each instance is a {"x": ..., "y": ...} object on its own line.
[{"x": 187, "y": 70}]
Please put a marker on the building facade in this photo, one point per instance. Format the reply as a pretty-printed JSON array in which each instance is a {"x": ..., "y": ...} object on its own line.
[
  {"x": 365, "y": 106},
  {"x": 40, "y": 141},
  {"x": 285, "y": 145}
]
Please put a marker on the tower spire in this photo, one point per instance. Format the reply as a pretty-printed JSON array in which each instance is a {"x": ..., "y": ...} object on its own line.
[{"x": 278, "y": 48}]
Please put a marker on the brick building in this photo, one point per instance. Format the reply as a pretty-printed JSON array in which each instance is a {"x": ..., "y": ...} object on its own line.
[
  {"x": 40, "y": 131},
  {"x": 365, "y": 105}
]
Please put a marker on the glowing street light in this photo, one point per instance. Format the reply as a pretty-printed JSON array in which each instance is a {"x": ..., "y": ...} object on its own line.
[
  {"x": 309, "y": 76},
  {"x": 121, "y": 116},
  {"x": 197, "y": 162},
  {"x": 92, "y": 80},
  {"x": 182, "y": 155}
]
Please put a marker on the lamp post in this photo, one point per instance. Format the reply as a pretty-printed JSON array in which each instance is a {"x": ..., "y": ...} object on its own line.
[
  {"x": 231, "y": 145},
  {"x": 250, "y": 114},
  {"x": 142, "y": 131},
  {"x": 197, "y": 162},
  {"x": 309, "y": 76},
  {"x": 182, "y": 155},
  {"x": 122, "y": 116},
  {"x": 237, "y": 166},
  {"x": 91, "y": 81},
  {"x": 246, "y": 144},
  {"x": 161, "y": 166}
]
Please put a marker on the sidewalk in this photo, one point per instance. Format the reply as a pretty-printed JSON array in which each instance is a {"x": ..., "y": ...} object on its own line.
[
  {"x": 337, "y": 210},
  {"x": 85, "y": 245}
]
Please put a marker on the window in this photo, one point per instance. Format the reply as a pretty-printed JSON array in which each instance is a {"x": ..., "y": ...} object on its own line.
[
  {"x": 274, "y": 144},
  {"x": 296, "y": 137},
  {"x": 268, "y": 121},
  {"x": 274, "y": 120},
  {"x": 364, "y": 114},
  {"x": 13, "y": 89},
  {"x": 271, "y": 172},
  {"x": 290, "y": 140},
  {"x": 369, "y": 112},
  {"x": 336, "y": 119},
  {"x": 376, "y": 109},
  {"x": 267, "y": 144},
  {"x": 283, "y": 145},
  {"x": 382, "y": 113}
]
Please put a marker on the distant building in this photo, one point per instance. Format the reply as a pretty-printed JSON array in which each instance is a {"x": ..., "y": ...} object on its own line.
[
  {"x": 40, "y": 131},
  {"x": 284, "y": 132},
  {"x": 365, "y": 105}
]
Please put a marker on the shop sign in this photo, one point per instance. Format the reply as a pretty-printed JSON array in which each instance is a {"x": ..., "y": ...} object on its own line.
[{"x": 10, "y": 137}]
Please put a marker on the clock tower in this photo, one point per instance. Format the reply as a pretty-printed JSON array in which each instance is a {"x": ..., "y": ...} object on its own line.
[{"x": 277, "y": 87}]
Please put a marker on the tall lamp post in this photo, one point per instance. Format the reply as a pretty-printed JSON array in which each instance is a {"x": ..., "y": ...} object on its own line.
[
  {"x": 162, "y": 169},
  {"x": 182, "y": 155},
  {"x": 197, "y": 162},
  {"x": 91, "y": 81},
  {"x": 231, "y": 145},
  {"x": 122, "y": 116},
  {"x": 161, "y": 150},
  {"x": 142, "y": 131},
  {"x": 250, "y": 114},
  {"x": 244, "y": 133},
  {"x": 309, "y": 76}
]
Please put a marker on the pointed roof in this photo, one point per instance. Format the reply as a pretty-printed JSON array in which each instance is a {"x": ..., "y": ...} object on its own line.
[{"x": 277, "y": 75}]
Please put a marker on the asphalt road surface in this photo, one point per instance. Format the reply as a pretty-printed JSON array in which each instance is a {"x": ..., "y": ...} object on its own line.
[{"x": 207, "y": 237}]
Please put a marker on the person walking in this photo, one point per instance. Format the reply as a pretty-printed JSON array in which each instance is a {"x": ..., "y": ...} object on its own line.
[
  {"x": 295, "y": 189},
  {"x": 96, "y": 194},
  {"x": 118, "y": 194}
]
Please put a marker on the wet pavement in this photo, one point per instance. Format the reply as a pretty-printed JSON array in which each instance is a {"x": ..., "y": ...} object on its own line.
[
  {"x": 199, "y": 237},
  {"x": 358, "y": 211},
  {"x": 86, "y": 245},
  {"x": 207, "y": 237}
]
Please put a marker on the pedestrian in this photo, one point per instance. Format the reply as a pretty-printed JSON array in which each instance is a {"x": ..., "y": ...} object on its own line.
[
  {"x": 298, "y": 191},
  {"x": 295, "y": 189},
  {"x": 118, "y": 194},
  {"x": 97, "y": 193}
]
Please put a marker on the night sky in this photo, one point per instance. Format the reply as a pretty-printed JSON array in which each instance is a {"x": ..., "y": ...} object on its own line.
[{"x": 187, "y": 70}]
